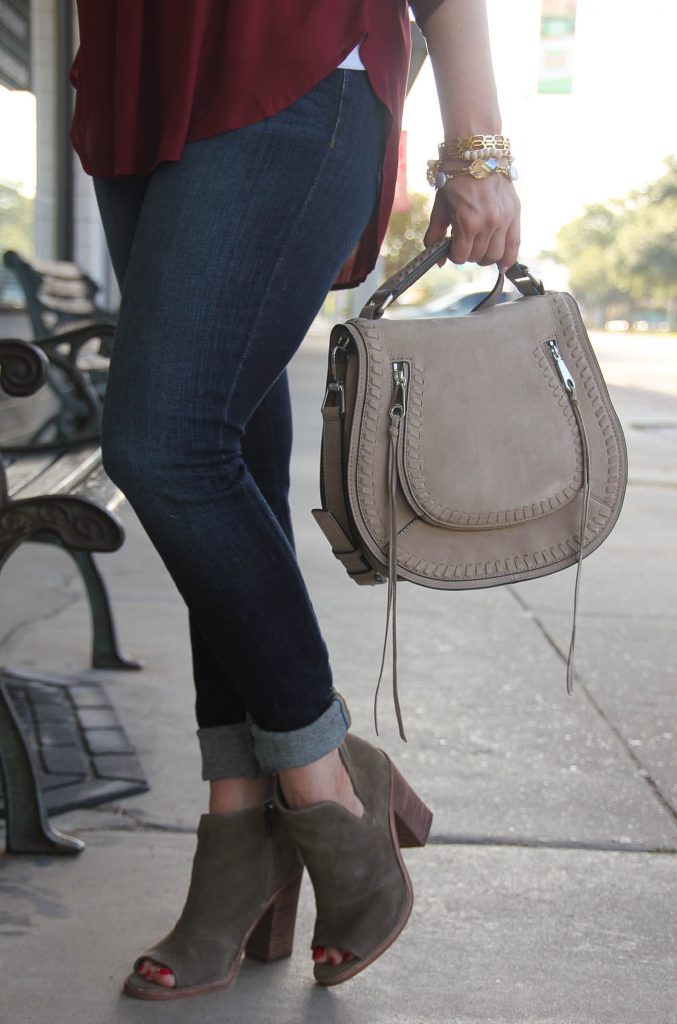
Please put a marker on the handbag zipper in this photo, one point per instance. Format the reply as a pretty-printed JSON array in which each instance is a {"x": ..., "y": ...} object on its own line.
[
  {"x": 400, "y": 387},
  {"x": 561, "y": 366}
]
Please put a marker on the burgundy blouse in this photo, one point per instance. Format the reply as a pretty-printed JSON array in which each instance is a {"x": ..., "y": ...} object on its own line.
[{"x": 151, "y": 75}]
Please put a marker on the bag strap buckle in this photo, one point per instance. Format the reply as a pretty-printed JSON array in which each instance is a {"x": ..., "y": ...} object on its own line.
[{"x": 335, "y": 387}]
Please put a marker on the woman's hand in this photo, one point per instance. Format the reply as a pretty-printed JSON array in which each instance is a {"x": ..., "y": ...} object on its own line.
[{"x": 484, "y": 215}]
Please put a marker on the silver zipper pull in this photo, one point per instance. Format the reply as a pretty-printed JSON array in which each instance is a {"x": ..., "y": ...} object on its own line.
[
  {"x": 400, "y": 384},
  {"x": 340, "y": 346},
  {"x": 335, "y": 385},
  {"x": 562, "y": 369}
]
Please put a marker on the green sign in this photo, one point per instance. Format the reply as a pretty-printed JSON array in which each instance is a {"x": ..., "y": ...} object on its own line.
[{"x": 558, "y": 34}]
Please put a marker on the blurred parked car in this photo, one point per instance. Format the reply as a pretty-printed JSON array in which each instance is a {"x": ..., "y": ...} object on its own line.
[{"x": 459, "y": 302}]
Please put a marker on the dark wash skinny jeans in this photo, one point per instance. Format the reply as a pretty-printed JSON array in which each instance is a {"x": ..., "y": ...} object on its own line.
[{"x": 224, "y": 259}]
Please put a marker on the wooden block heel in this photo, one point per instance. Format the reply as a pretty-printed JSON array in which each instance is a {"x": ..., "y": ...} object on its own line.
[
  {"x": 412, "y": 818},
  {"x": 273, "y": 937},
  {"x": 363, "y": 891}
]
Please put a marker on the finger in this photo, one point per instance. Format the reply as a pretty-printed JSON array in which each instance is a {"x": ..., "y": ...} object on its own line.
[
  {"x": 512, "y": 247},
  {"x": 481, "y": 242},
  {"x": 495, "y": 249},
  {"x": 461, "y": 247},
  {"x": 437, "y": 228}
]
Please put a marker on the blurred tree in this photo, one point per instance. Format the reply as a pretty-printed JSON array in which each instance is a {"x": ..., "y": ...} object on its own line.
[
  {"x": 586, "y": 246},
  {"x": 404, "y": 237},
  {"x": 624, "y": 253},
  {"x": 666, "y": 186},
  {"x": 404, "y": 240},
  {"x": 16, "y": 220},
  {"x": 647, "y": 240}
]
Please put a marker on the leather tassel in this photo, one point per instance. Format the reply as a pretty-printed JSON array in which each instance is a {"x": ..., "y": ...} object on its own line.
[
  {"x": 585, "y": 508},
  {"x": 391, "y": 609}
]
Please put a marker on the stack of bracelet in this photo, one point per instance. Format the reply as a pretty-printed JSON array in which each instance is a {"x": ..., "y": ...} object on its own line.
[{"x": 476, "y": 155}]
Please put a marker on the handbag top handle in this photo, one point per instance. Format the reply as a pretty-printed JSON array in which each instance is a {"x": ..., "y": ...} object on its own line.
[{"x": 520, "y": 275}]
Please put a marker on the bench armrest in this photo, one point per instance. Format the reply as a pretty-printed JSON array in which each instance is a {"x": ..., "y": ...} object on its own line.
[
  {"x": 76, "y": 337},
  {"x": 23, "y": 367}
]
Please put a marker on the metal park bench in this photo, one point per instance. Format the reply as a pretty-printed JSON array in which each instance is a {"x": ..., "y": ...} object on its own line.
[
  {"x": 76, "y": 334},
  {"x": 59, "y": 496},
  {"x": 59, "y": 295}
]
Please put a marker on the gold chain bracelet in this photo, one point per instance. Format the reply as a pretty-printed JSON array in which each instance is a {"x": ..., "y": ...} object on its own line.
[
  {"x": 465, "y": 143},
  {"x": 478, "y": 169}
]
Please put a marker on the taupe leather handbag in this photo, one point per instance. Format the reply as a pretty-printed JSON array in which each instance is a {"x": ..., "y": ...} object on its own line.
[{"x": 470, "y": 451}]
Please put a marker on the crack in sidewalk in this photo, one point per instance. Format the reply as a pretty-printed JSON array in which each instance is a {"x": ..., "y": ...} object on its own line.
[
  {"x": 642, "y": 770},
  {"x": 136, "y": 823},
  {"x": 14, "y": 631},
  {"x": 130, "y": 822},
  {"x": 533, "y": 843}
]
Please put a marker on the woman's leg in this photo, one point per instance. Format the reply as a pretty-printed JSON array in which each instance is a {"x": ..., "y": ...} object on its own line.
[
  {"x": 235, "y": 248},
  {"x": 120, "y": 203},
  {"x": 266, "y": 448}
]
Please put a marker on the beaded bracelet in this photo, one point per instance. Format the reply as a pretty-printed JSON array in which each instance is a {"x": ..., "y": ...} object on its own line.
[
  {"x": 484, "y": 154},
  {"x": 478, "y": 169}
]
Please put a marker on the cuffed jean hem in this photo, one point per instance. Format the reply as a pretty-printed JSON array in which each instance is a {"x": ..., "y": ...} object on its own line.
[
  {"x": 275, "y": 750},
  {"x": 227, "y": 752}
]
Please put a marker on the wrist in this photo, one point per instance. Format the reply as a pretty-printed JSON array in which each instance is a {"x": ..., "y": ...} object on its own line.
[
  {"x": 477, "y": 124},
  {"x": 465, "y": 116}
]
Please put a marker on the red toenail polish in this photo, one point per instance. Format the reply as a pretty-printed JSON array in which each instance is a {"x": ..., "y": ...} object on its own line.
[
  {"x": 164, "y": 971},
  {"x": 318, "y": 953}
]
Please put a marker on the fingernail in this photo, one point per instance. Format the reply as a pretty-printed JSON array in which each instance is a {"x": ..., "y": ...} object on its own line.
[{"x": 318, "y": 953}]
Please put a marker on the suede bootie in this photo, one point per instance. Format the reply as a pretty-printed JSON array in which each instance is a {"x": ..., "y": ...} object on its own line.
[
  {"x": 242, "y": 899},
  {"x": 362, "y": 888}
]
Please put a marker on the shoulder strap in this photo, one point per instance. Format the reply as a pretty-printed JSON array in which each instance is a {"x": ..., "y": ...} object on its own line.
[{"x": 333, "y": 518}]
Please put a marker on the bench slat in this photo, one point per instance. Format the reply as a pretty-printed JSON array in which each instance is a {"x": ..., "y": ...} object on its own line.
[
  {"x": 25, "y": 469},
  {"x": 65, "y": 473},
  {"x": 100, "y": 488},
  {"x": 80, "y": 473},
  {"x": 69, "y": 289},
  {"x": 56, "y": 268},
  {"x": 57, "y": 304}
]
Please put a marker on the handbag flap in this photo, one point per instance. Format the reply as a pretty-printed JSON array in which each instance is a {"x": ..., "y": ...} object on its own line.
[{"x": 489, "y": 438}]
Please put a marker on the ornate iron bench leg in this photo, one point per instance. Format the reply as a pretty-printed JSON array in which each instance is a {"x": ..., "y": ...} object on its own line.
[
  {"x": 105, "y": 650},
  {"x": 28, "y": 830}
]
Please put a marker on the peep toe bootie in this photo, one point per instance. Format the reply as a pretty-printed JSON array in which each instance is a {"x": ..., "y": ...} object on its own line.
[
  {"x": 242, "y": 900},
  {"x": 362, "y": 888}
]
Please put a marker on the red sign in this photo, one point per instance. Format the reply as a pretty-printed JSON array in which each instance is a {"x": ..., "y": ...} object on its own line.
[{"x": 401, "y": 203}]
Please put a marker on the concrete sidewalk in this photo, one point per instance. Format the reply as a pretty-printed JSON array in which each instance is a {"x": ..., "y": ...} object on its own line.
[{"x": 549, "y": 892}]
